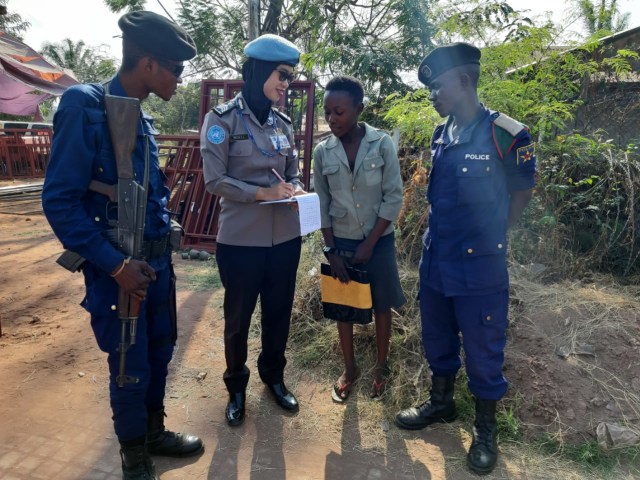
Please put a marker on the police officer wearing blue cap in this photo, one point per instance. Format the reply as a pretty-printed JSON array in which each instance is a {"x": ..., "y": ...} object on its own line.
[
  {"x": 482, "y": 176},
  {"x": 82, "y": 217},
  {"x": 249, "y": 156}
]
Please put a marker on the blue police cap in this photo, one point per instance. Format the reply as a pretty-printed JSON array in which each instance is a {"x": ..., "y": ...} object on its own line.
[
  {"x": 157, "y": 35},
  {"x": 272, "y": 48},
  {"x": 444, "y": 58}
]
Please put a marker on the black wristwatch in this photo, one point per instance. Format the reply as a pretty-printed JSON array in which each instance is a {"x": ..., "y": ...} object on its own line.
[{"x": 329, "y": 250}]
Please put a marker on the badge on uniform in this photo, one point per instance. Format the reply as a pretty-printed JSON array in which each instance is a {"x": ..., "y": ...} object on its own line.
[
  {"x": 215, "y": 135},
  {"x": 280, "y": 140},
  {"x": 524, "y": 154}
]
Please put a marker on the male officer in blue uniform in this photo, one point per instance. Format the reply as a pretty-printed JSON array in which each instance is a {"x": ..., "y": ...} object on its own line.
[
  {"x": 482, "y": 175},
  {"x": 153, "y": 51}
]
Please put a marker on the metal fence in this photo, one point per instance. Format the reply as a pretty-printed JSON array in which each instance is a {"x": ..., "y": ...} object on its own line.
[{"x": 25, "y": 152}]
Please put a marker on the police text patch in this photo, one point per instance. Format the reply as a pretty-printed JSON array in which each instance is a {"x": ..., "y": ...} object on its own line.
[
  {"x": 524, "y": 154},
  {"x": 215, "y": 135}
]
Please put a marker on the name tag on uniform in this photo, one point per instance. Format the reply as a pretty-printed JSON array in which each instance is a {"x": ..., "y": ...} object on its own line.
[
  {"x": 239, "y": 136},
  {"x": 280, "y": 140}
]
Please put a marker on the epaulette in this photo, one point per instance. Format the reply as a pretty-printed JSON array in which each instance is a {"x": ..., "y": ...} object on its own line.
[
  {"x": 509, "y": 124},
  {"x": 505, "y": 129},
  {"x": 437, "y": 136},
  {"x": 282, "y": 116},
  {"x": 225, "y": 107}
]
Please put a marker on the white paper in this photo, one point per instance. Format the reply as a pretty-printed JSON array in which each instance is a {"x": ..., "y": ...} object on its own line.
[{"x": 308, "y": 210}]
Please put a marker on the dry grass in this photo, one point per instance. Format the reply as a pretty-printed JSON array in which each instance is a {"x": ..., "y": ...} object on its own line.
[
  {"x": 587, "y": 310},
  {"x": 314, "y": 339}
]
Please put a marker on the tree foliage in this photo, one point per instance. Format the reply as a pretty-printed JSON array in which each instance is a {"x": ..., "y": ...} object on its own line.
[
  {"x": 12, "y": 23},
  {"x": 585, "y": 211},
  {"x": 601, "y": 17},
  {"x": 480, "y": 22},
  {"x": 524, "y": 75},
  {"x": 219, "y": 29},
  {"x": 88, "y": 64},
  {"x": 178, "y": 116},
  {"x": 375, "y": 40},
  {"x": 584, "y": 216}
]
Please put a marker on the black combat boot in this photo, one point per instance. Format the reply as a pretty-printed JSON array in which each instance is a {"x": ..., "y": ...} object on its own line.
[
  {"x": 167, "y": 443},
  {"x": 440, "y": 407},
  {"x": 137, "y": 464},
  {"x": 483, "y": 452}
]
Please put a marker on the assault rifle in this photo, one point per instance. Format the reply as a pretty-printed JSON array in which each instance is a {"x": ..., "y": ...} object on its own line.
[{"x": 123, "y": 115}]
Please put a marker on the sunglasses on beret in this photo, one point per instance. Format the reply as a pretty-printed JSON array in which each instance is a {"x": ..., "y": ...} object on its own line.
[
  {"x": 175, "y": 68},
  {"x": 284, "y": 75}
]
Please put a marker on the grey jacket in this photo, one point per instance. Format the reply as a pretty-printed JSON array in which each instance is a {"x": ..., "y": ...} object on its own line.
[
  {"x": 234, "y": 169},
  {"x": 351, "y": 203}
]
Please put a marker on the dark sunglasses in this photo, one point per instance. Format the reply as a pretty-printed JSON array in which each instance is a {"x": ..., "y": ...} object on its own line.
[
  {"x": 284, "y": 75},
  {"x": 175, "y": 69}
]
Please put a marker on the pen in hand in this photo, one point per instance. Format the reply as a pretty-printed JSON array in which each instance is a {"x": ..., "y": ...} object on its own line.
[
  {"x": 288, "y": 188},
  {"x": 278, "y": 175}
]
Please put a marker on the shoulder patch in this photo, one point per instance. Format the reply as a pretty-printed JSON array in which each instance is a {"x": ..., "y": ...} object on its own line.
[
  {"x": 526, "y": 154},
  {"x": 282, "y": 116},
  {"x": 224, "y": 108},
  {"x": 216, "y": 134},
  {"x": 509, "y": 124}
]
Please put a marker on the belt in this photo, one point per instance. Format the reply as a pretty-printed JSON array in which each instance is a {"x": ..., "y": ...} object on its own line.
[{"x": 155, "y": 248}]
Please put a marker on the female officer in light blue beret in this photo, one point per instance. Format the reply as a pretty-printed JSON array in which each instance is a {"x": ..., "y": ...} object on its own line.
[{"x": 249, "y": 156}]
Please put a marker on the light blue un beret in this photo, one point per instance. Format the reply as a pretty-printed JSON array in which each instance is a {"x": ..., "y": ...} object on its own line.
[{"x": 272, "y": 48}]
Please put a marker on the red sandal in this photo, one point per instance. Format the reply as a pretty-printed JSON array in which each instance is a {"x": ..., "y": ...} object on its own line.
[
  {"x": 341, "y": 391},
  {"x": 379, "y": 387}
]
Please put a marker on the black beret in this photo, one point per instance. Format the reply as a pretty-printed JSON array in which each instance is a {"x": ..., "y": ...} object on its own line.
[
  {"x": 157, "y": 35},
  {"x": 444, "y": 58}
]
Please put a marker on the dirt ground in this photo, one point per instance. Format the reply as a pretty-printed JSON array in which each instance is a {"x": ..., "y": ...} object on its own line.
[
  {"x": 55, "y": 420},
  {"x": 574, "y": 355}
]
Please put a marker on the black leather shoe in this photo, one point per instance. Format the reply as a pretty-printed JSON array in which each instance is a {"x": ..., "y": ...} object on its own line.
[
  {"x": 235, "y": 409},
  {"x": 284, "y": 398},
  {"x": 167, "y": 443}
]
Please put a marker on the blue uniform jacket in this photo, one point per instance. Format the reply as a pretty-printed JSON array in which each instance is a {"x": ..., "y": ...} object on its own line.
[
  {"x": 81, "y": 151},
  {"x": 469, "y": 185}
]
